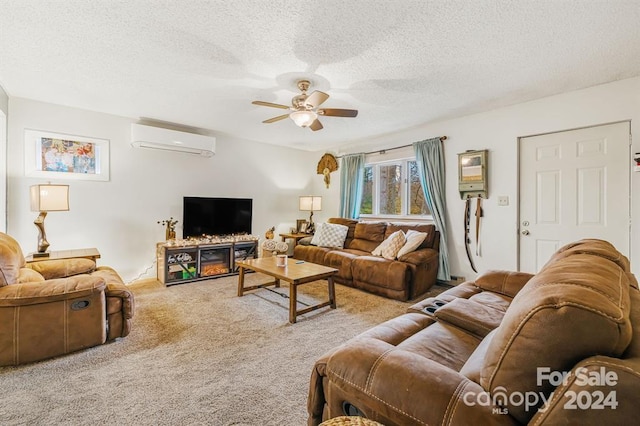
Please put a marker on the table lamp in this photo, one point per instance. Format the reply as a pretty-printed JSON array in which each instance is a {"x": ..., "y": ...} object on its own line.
[
  {"x": 47, "y": 198},
  {"x": 309, "y": 204}
]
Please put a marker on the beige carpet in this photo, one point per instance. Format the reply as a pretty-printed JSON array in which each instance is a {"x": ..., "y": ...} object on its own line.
[{"x": 197, "y": 354}]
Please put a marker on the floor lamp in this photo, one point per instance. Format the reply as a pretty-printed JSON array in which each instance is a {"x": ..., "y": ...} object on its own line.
[{"x": 47, "y": 198}]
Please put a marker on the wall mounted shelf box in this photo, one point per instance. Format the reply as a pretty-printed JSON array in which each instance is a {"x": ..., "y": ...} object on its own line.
[{"x": 150, "y": 137}]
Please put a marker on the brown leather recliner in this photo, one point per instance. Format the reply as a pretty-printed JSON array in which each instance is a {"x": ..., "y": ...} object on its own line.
[
  {"x": 558, "y": 347},
  {"x": 54, "y": 307}
]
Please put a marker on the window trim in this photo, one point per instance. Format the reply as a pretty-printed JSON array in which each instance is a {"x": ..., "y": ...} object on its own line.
[{"x": 404, "y": 190}]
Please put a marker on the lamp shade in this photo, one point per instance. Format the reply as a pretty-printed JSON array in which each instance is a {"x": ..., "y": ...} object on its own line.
[
  {"x": 49, "y": 198},
  {"x": 310, "y": 203}
]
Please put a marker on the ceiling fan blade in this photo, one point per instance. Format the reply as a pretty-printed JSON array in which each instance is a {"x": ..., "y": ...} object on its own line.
[
  {"x": 316, "y": 99},
  {"x": 337, "y": 112},
  {"x": 278, "y": 118},
  {"x": 269, "y": 104},
  {"x": 316, "y": 125}
]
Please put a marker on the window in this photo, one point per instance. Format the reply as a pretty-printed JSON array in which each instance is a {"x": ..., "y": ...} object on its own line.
[
  {"x": 393, "y": 189},
  {"x": 390, "y": 178}
]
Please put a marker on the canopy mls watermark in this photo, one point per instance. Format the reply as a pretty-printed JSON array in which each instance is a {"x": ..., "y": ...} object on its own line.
[{"x": 587, "y": 399}]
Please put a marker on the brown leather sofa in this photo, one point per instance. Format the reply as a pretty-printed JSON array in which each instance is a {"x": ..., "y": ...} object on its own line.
[
  {"x": 491, "y": 352},
  {"x": 54, "y": 307},
  {"x": 402, "y": 279}
]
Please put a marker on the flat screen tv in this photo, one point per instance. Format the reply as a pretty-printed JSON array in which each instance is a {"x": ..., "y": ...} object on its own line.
[{"x": 216, "y": 216}]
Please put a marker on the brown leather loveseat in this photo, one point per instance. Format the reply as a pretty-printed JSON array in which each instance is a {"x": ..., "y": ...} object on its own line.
[
  {"x": 54, "y": 307},
  {"x": 403, "y": 279},
  {"x": 558, "y": 347}
]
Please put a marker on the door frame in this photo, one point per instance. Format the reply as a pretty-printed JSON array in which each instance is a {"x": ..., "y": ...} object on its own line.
[{"x": 518, "y": 168}]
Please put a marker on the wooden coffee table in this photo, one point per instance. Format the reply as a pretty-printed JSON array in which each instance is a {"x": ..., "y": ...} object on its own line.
[{"x": 295, "y": 273}]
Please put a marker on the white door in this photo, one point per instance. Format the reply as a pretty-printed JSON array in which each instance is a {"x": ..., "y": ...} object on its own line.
[{"x": 573, "y": 185}]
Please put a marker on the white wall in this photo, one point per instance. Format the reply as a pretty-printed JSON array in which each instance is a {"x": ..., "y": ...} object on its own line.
[
  {"x": 119, "y": 217},
  {"x": 498, "y": 131},
  {"x": 4, "y": 110},
  {"x": 4, "y": 101}
]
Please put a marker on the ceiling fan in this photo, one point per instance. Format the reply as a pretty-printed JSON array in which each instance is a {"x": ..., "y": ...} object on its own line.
[{"x": 305, "y": 108}]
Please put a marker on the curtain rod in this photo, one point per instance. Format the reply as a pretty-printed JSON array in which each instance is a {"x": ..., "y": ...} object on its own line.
[{"x": 383, "y": 151}]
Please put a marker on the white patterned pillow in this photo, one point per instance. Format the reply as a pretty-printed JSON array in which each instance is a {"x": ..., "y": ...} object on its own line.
[
  {"x": 414, "y": 239},
  {"x": 389, "y": 248},
  {"x": 330, "y": 235}
]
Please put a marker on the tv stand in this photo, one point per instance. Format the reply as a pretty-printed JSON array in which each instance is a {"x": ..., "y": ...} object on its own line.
[{"x": 183, "y": 261}]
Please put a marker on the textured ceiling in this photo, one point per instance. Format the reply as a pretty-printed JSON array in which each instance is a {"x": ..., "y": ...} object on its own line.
[{"x": 400, "y": 63}]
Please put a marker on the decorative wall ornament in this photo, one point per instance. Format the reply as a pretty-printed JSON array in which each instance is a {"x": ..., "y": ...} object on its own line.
[{"x": 327, "y": 164}]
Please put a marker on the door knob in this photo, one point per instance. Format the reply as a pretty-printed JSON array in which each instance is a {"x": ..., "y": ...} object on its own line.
[{"x": 525, "y": 232}]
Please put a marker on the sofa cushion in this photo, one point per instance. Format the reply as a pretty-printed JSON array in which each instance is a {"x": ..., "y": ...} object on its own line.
[
  {"x": 62, "y": 268},
  {"x": 330, "y": 235},
  {"x": 311, "y": 254},
  {"x": 381, "y": 272},
  {"x": 476, "y": 318},
  {"x": 368, "y": 236},
  {"x": 496, "y": 301},
  {"x": 11, "y": 259},
  {"x": 576, "y": 307},
  {"x": 413, "y": 241},
  {"x": 341, "y": 260},
  {"x": 28, "y": 275},
  {"x": 389, "y": 247}
]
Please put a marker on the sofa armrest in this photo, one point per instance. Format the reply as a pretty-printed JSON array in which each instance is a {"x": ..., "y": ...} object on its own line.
[
  {"x": 508, "y": 283},
  {"x": 316, "y": 399},
  {"x": 33, "y": 293},
  {"x": 386, "y": 382},
  {"x": 62, "y": 268},
  {"x": 120, "y": 291},
  {"x": 420, "y": 256}
]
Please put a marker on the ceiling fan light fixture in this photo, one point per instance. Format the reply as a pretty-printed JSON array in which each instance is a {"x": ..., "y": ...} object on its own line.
[
  {"x": 303, "y": 118},
  {"x": 305, "y": 108}
]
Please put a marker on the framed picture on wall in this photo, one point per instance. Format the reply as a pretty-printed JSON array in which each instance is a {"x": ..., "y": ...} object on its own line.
[{"x": 58, "y": 156}]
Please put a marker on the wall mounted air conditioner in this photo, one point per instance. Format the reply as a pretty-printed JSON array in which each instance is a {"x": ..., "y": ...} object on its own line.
[{"x": 150, "y": 137}]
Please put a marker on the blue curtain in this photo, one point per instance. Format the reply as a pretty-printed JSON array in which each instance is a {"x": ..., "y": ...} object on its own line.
[
  {"x": 351, "y": 183},
  {"x": 430, "y": 159}
]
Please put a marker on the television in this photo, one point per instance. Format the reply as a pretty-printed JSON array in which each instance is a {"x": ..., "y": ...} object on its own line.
[{"x": 216, "y": 216}]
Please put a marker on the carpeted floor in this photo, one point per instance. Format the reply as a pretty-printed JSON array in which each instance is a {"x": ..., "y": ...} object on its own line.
[{"x": 197, "y": 354}]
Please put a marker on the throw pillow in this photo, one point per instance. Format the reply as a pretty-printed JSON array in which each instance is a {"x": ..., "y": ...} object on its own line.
[
  {"x": 315, "y": 240},
  {"x": 389, "y": 248},
  {"x": 414, "y": 239},
  {"x": 330, "y": 235}
]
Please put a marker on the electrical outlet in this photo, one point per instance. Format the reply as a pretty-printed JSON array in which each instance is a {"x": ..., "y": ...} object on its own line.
[{"x": 503, "y": 200}]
